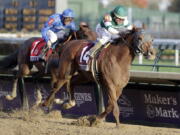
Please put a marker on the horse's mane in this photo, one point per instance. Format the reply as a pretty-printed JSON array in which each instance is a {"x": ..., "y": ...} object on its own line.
[{"x": 125, "y": 38}]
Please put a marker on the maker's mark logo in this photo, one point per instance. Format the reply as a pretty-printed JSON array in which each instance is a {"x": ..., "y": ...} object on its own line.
[
  {"x": 161, "y": 106},
  {"x": 125, "y": 106},
  {"x": 150, "y": 110}
]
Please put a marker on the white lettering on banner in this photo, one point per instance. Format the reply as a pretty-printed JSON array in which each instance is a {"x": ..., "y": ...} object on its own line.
[
  {"x": 153, "y": 111},
  {"x": 160, "y": 100},
  {"x": 82, "y": 98},
  {"x": 166, "y": 110},
  {"x": 171, "y": 113},
  {"x": 79, "y": 97}
]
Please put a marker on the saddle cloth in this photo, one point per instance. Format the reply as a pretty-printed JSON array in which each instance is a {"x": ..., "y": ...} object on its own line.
[
  {"x": 84, "y": 58},
  {"x": 36, "y": 49}
]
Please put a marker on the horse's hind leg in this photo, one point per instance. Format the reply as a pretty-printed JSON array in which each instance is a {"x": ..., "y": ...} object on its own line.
[
  {"x": 14, "y": 90},
  {"x": 23, "y": 70}
]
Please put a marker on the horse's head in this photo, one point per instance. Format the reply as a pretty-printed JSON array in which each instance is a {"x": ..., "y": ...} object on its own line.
[
  {"x": 142, "y": 43},
  {"x": 84, "y": 26},
  {"x": 85, "y": 32}
]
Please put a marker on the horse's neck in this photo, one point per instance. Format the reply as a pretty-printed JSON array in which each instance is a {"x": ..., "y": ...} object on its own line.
[
  {"x": 129, "y": 44},
  {"x": 87, "y": 34},
  {"x": 91, "y": 35},
  {"x": 122, "y": 54}
]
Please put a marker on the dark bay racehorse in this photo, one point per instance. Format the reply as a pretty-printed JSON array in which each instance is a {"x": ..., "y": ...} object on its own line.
[
  {"x": 113, "y": 66},
  {"x": 21, "y": 57}
]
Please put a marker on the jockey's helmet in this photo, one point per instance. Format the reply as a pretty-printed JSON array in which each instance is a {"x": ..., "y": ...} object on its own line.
[
  {"x": 68, "y": 13},
  {"x": 120, "y": 12},
  {"x": 68, "y": 16}
]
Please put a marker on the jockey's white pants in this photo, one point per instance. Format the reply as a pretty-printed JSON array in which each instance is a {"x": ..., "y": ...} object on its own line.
[
  {"x": 52, "y": 36},
  {"x": 104, "y": 35}
]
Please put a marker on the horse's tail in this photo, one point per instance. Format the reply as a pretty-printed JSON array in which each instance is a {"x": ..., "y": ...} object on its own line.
[{"x": 9, "y": 61}]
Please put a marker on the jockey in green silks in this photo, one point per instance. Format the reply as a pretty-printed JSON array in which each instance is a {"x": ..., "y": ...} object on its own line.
[{"x": 110, "y": 26}]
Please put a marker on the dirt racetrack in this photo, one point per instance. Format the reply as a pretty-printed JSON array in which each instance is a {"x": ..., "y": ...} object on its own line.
[{"x": 38, "y": 123}]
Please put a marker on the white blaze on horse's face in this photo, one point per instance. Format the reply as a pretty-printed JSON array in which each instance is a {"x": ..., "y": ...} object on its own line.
[{"x": 146, "y": 46}]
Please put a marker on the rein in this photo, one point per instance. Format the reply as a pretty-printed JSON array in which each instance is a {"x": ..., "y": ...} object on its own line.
[
  {"x": 70, "y": 37},
  {"x": 128, "y": 44}
]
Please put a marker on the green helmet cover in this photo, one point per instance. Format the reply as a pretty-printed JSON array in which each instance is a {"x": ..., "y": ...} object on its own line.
[{"x": 120, "y": 12}]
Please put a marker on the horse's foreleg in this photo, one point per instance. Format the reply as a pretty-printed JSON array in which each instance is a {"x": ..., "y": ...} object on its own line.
[
  {"x": 56, "y": 88},
  {"x": 112, "y": 105},
  {"x": 14, "y": 90},
  {"x": 53, "y": 81},
  {"x": 71, "y": 103},
  {"x": 53, "y": 77},
  {"x": 75, "y": 80},
  {"x": 65, "y": 74}
]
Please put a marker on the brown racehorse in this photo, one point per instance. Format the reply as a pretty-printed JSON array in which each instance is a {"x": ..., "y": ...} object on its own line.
[
  {"x": 21, "y": 57},
  {"x": 113, "y": 67}
]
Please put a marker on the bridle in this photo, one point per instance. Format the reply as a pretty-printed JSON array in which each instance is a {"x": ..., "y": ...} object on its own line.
[
  {"x": 137, "y": 44},
  {"x": 133, "y": 47}
]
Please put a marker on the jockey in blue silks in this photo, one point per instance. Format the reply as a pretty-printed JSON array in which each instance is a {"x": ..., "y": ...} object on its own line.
[{"x": 57, "y": 28}]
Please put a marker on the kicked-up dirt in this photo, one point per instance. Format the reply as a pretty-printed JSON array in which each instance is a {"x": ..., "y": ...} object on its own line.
[{"x": 35, "y": 122}]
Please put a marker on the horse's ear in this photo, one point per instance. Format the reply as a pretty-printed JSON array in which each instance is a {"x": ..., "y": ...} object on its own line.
[{"x": 83, "y": 25}]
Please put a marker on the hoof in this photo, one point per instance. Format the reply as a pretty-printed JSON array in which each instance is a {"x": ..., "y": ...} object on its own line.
[
  {"x": 94, "y": 121},
  {"x": 69, "y": 105},
  {"x": 9, "y": 97},
  {"x": 58, "y": 101}
]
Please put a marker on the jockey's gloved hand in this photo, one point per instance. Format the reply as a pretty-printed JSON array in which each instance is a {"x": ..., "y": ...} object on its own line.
[{"x": 49, "y": 44}]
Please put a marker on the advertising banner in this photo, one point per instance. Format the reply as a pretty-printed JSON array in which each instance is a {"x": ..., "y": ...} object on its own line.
[
  {"x": 84, "y": 96},
  {"x": 148, "y": 103},
  {"x": 139, "y": 103}
]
